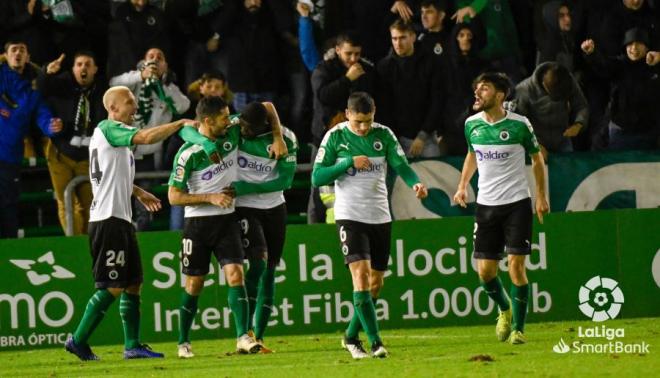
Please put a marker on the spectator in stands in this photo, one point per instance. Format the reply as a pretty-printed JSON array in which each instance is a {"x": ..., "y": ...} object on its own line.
[
  {"x": 254, "y": 61},
  {"x": 307, "y": 35},
  {"x": 203, "y": 27},
  {"x": 502, "y": 48},
  {"x": 434, "y": 39},
  {"x": 23, "y": 20},
  {"x": 137, "y": 27},
  {"x": 462, "y": 66},
  {"x": 77, "y": 98},
  {"x": 410, "y": 94},
  {"x": 78, "y": 25},
  {"x": 333, "y": 81},
  {"x": 633, "y": 108},
  {"x": 19, "y": 105},
  {"x": 370, "y": 19},
  {"x": 159, "y": 101},
  {"x": 559, "y": 42},
  {"x": 554, "y": 103},
  {"x": 625, "y": 15}
]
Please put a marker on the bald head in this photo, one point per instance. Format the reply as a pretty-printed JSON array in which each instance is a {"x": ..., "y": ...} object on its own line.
[{"x": 120, "y": 104}]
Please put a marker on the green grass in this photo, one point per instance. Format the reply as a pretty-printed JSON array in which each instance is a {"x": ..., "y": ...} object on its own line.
[{"x": 440, "y": 352}]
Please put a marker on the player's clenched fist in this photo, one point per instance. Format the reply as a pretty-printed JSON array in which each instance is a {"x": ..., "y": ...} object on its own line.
[{"x": 361, "y": 162}]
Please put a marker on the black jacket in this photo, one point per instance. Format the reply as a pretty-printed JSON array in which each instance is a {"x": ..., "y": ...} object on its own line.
[
  {"x": 635, "y": 91},
  {"x": 62, "y": 93},
  {"x": 252, "y": 48},
  {"x": 459, "y": 72},
  {"x": 556, "y": 45},
  {"x": 410, "y": 95},
  {"x": 331, "y": 89},
  {"x": 131, "y": 33}
]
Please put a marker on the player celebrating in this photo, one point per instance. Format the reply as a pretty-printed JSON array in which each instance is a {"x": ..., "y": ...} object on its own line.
[
  {"x": 210, "y": 224},
  {"x": 355, "y": 155},
  {"x": 497, "y": 142},
  {"x": 114, "y": 248},
  {"x": 261, "y": 208}
]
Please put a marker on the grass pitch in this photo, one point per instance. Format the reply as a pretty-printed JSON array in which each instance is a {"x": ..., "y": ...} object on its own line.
[{"x": 439, "y": 352}]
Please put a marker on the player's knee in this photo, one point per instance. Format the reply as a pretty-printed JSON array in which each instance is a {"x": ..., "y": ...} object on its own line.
[
  {"x": 517, "y": 272},
  {"x": 194, "y": 284},
  {"x": 234, "y": 275},
  {"x": 133, "y": 289}
]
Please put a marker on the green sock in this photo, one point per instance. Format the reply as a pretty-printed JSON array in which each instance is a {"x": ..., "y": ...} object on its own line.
[
  {"x": 129, "y": 309},
  {"x": 496, "y": 292},
  {"x": 239, "y": 307},
  {"x": 187, "y": 313},
  {"x": 519, "y": 296},
  {"x": 364, "y": 306},
  {"x": 94, "y": 312},
  {"x": 252, "y": 282},
  {"x": 265, "y": 302},
  {"x": 354, "y": 326}
]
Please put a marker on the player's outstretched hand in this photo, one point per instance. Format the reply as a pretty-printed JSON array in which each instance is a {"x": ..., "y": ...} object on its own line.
[
  {"x": 221, "y": 200},
  {"x": 460, "y": 197},
  {"x": 150, "y": 202},
  {"x": 542, "y": 207},
  {"x": 361, "y": 162},
  {"x": 420, "y": 190}
]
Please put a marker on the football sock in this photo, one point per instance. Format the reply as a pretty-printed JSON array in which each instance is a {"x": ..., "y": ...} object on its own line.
[
  {"x": 187, "y": 313},
  {"x": 354, "y": 326},
  {"x": 238, "y": 304},
  {"x": 129, "y": 309},
  {"x": 364, "y": 306},
  {"x": 252, "y": 281},
  {"x": 519, "y": 296},
  {"x": 496, "y": 292},
  {"x": 265, "y": 302},
  {"x": 94, "y": 312}
]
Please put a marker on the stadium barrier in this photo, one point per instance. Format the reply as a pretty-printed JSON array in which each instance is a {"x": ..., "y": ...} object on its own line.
[
  {"x": 431, "y": 281},
  {"x": 577, "y": 181}
]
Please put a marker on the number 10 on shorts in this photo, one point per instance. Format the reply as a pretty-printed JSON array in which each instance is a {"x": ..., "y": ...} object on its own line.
[{"x": 186, "y": 246}]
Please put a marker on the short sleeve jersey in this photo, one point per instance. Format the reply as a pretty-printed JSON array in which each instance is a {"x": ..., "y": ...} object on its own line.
[
  {"x": 111, "y": 170},
  {"x": 500, "y": 152},
  {"x": 256, "y": 166},
  {"x": 361, "y": 195},
  {"x": 195, "y": 173}
]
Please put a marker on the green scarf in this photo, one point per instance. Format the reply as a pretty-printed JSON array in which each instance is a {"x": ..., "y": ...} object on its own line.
[{"x": 145, "y": 102}]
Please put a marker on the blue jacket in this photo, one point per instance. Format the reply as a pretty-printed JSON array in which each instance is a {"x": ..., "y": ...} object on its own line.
[{"x": 20, "y": 105}]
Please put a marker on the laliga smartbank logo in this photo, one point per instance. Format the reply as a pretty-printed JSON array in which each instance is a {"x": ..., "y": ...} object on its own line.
[
  {"x": 47, "y": 261},
  {"x": 600, "y": 299}
]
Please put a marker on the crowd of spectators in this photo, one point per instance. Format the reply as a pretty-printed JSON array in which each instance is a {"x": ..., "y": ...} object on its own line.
[{"x": 586, "y": 72}]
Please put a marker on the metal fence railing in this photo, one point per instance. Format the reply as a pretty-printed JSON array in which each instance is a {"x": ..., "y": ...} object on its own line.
[{"x": 68, "y": 191}]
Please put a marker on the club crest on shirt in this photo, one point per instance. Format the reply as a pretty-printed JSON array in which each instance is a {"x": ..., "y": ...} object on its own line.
[
  {"x": 504, "y": 135},
  {"x": 179, "y": 172},
  {"x": 378, "y": 145},
  {"x": 269, "y": 147},
  {"x": 227, "y": 145},
  {"x": 437, "y": 49}
]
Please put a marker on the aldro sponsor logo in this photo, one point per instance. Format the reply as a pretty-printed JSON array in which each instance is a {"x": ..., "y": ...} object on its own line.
[
  {"x": 373, "y": 168},
  {"x": 244, "y": 163},
  {"x": 216, "y": 169},
  {"x": 491, "y": 155}
]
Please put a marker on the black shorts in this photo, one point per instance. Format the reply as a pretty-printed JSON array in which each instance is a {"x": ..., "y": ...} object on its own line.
[
  {"x": 202, "y": 236},
  {"x": 503, "y": 229},
  {"x": 115, "y": 253},
  {"x": 364, "y": 241},
  {"x": 263, "y": 232}
]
